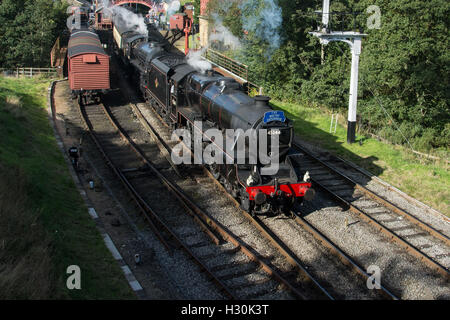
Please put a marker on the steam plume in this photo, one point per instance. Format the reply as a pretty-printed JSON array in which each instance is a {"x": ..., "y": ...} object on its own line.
[
  {"x": 126, "y": 17},
  {"x": 195, "y": 60},
  {"x": 263, "y": 18}
]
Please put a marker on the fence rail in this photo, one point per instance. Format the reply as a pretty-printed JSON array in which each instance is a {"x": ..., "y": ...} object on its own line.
[
  {"x": 30, "y": 72},
  {"x": 233, "y": 66},
  {"x": 227, "y": 63}
]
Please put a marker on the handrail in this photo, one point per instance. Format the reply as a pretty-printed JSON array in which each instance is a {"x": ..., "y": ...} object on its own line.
[{"x": 227, "y": 63}]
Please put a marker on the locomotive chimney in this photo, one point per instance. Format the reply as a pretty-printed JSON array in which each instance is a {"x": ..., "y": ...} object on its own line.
[{"x": 262, "y": 101}]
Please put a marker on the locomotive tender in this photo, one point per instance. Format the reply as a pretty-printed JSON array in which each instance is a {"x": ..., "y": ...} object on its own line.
[{"x": 182, "y": 95}]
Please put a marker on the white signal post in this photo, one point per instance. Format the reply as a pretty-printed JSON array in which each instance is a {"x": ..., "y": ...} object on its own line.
[{"x": 353, "y": 39}]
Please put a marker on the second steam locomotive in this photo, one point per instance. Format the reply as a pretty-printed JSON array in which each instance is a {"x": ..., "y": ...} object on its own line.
[{"x": 184, "y": 97}]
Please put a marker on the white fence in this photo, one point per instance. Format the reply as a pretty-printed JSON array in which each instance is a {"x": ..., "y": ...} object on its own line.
[{"x": 30, "y": 72}]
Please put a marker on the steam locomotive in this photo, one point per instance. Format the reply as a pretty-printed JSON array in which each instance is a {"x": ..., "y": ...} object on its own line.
[{"x": 182, "y": 95}]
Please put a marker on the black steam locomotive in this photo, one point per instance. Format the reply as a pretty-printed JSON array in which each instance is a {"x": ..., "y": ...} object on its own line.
[{"x": 182, "y": 95}]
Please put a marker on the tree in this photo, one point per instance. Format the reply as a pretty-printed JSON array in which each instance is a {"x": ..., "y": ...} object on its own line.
[
  {"x": 29, "y": 30},
  {"x": 404, "y": 67}
]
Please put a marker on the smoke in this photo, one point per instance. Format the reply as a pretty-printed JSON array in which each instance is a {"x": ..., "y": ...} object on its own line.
[
  {"x": 174, "y": 7},
  {"x": 263, "y": 18},
  {"x": 195, "y": 60},
  {"x": 125, "y": 17},
  {"x": 170, "y": 6},
  {"x": 260, "y": 18},
  {"x": 224, "y": 35}
]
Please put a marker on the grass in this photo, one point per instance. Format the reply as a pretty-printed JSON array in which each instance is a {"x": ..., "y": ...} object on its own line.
[
  {"x": 44, "y": 224},
  {"x": 427, "y": 181}
]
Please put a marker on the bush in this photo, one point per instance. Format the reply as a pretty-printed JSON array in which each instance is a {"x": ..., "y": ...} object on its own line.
[{"x": 404, "y": 66}]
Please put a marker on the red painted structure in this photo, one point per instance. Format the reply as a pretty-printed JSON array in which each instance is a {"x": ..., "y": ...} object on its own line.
[
  {"x": 88, "y": 64},
  {"x": 296, "y": 190},
  {"x": 182, "y": 23},
  {"x": 203, "y": 7},
  {"x": 177, "y": 21},
  {"x": 147, "y": 3}
]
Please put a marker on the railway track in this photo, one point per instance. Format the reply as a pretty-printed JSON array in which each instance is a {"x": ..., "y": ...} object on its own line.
[
  {"x": 161, "y": 139},
  {"x": 233, "y": 266},
  {"x": 333, "y": 248},
  {"x": 418, "y": 238},
  {"x": 128, "y": 169},
  {"x": 160, "y": 131}
]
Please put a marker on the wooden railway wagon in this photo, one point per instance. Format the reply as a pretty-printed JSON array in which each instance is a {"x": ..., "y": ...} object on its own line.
[{"x": 88, "y": 66}]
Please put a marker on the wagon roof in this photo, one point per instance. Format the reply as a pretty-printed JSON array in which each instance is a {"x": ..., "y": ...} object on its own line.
[{"x": 84, "y": 42}]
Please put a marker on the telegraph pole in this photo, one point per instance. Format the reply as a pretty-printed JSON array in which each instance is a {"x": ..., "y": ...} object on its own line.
[
  {"x": 325, "y": 20},
  {"x": 353, "y": 39}
]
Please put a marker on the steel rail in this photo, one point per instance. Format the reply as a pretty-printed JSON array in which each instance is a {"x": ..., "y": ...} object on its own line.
[
  {"x": 344, "y": 257},
  {"x": 163, "y": 147},
  {"x": 366, "y": 217},
  {"x": 380, "y": 199},
  {"x": 163, "y": 178},
  {"x": 273, "y": 238},
  {"x": 392, "y": 188},
  {"x": 290, "y": 256},
  {"x": 142, "y": 204},
  {"x": 122, "y": 178},
  {"x": 205, "y": 218}
]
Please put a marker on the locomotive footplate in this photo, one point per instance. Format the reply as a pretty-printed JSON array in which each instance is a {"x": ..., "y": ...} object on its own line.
[{"x": 275, "y": 193}]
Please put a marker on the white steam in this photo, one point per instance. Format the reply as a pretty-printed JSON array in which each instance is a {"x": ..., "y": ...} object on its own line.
[
  {"x": 224, "y": 35},
  {"x": 174, "y": 7},
  {"x": 195, "y": 60},
  {"x": 126, "y": 17},
  {"x": 264, "y": 19},
  {"x": 221, "y": 34},
  {"x": 170, "y": 6}
]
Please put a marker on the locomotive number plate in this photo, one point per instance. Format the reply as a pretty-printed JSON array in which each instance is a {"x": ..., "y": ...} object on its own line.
[{"x": 270, "y": 116}]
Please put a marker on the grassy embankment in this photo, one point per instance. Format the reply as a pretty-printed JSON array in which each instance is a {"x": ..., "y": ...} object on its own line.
[
  {"x": 44, "y": 224},
  {"x": 427, "y": 181}
]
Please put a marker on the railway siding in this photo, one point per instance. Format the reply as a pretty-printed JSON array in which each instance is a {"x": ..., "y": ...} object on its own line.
[
  {"x": 419, "y": 238},
  {"x": 436, "y": 289}
]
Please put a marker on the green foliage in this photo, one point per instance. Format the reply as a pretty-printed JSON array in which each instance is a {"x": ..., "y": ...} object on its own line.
[
  {"x": 45, "y": 224},
  {"x": 196, "y": 11},
  {"x": 404, "y": 65},
  {"x": 230, "y": 14},
  {"x": 407, "y": 63},
  {"x": 28, "y": 30}
]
